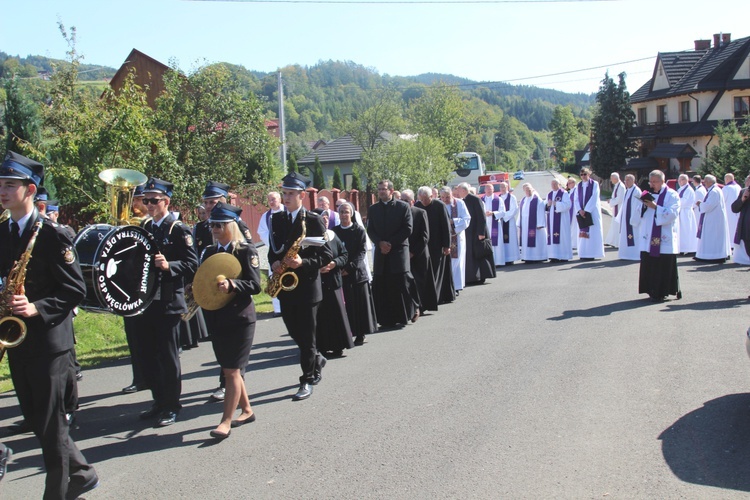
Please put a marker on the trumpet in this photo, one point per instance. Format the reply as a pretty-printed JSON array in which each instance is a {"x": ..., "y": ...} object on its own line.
[{"x": 283, "y": 279}]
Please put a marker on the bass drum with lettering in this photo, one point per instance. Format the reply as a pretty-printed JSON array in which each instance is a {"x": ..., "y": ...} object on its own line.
[{"x": 118, "y": 267}]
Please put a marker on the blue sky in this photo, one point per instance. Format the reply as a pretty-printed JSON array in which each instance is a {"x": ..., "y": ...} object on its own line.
[{"x": 486, "y": 42}]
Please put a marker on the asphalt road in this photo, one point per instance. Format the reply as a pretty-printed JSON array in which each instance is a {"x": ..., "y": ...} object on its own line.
[{"x": 553, "y": 380}]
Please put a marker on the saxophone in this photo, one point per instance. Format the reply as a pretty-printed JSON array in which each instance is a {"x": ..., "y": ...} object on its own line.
[
  {"x": 13, "y": 329},
  {"x": 283, "y": 279}
]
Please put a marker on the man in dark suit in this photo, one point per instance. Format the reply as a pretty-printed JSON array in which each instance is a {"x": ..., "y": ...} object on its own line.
[
  {"x": 419, "y": 252},
  {"x": 439, "y": 245},
  {"x": 299, "y": 306},
  {"x": 42, "y": 366},
  {"x": 389, "y": 225},
  {"x": 478, "y": 267},
  {"x": 158, "y": 328}
]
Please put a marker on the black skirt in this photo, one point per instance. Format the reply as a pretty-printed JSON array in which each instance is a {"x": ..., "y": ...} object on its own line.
[
  {"x": 333, "y": 332},
  {"x": 232, "y": 345},
  {"x": 658, "y": 276},
  {"x": 360, "y": 308}
]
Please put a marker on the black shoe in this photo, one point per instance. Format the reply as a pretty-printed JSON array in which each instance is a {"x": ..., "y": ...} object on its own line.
[
  {"x": 304, "y": 392},
  {"x": 130, "y": 389},
  {"x": 151, "y": 412},
  {"x": 220, "y": 435},
  {"x": 70, "y": 418},
  {"x": 276, "y": 315},
  {"x": 79, "y": 375},
  {"x": 76, "y": 490},
  {"x": 248, "y": 420},
  {"x": 167, "y": 418},
  {"x": 5, "y": 456},
  {"x": 318, "y": 374},
  {"x": 20, "y": 428},
  {"x": 361, "y": 340}
]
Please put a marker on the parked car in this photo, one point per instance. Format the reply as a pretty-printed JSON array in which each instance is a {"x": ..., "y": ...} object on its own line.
[{"x": 518, "y": 175}]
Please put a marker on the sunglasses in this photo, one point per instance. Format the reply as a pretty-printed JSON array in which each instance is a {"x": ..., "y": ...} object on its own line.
[
  {"x": 584, "y": 175},
  {"x": 154, "y": 201},
  {"x": 217, "y": 225}
]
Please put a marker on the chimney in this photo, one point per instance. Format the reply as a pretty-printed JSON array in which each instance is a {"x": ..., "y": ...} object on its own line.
[
  {"x": 726, "y": 38},
  {"x": 702, "y": 44},
  {"x": 717, "y": 41}
]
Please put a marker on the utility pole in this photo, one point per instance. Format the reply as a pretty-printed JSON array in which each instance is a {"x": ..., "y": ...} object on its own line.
[{"x": 282, "y": 132}]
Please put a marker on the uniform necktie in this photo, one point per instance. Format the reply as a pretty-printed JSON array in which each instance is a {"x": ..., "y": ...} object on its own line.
[
  {"x": 15, "y": 237},
  {"x": 291, "y": 219}
]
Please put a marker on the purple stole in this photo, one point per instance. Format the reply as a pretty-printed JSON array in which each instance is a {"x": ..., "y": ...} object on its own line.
[
  {"x": 583, "y": 199},
  {"x": 554, "y": 219},
  {"x": 572, "y": 204},
  {"x": 531, "y": 229},
  {"x": 703, "y": 215},
  {"x": 268, "y": 218},
  {"x": 628, "y": 226},
  {"x": 331, "y": 219},
  {"x": 655, "y": 245},
  {"x": 614, "y": 194},
  {"x": 495, "y": 225},
  {"x": 730, "y": 183},
  {"x": 454, "y": 236},
  {"x": 506, "y": 224},
  {"x": 682, "y": 191}
]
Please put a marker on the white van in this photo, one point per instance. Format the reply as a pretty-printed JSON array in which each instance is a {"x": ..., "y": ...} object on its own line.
[{"x": 469, "y": 170}]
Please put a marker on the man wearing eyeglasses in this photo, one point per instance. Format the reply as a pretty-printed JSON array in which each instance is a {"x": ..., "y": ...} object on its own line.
[
  {"x": 158, "y": 326},
  {"x": 591, "y": 238}
]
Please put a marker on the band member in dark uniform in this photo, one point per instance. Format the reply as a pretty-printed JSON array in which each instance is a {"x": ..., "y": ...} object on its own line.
[
  {"x": 42, "y": 366},
  {"x": 215, "y": 192},
  {"x": 233, "y": 326},
  {"x": 299, "y": 307},
  {"x": 158, "y": 328}
]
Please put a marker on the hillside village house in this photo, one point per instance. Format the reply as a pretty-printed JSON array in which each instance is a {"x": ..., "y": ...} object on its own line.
[
  {"x": 689, "y": 94},
  {"x": 342, "y": 152}
]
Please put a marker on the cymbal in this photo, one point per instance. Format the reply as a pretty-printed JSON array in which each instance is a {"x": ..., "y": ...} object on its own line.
[{"x": 205, "y": 291}]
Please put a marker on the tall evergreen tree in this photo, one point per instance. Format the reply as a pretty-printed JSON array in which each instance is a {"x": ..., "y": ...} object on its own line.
[
  {"x": 22, "y": 121},
  {"x": 337, "y": 178},
  {"x": 355, "y": 182},
  {"x": 291, "y": 165},
  {"x": 564, "y": 132},
  {"x": 318, "y": 180},
  {"x": 611, "y": 127}
]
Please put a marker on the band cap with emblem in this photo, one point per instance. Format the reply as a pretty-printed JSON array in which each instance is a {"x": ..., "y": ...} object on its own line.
[
  {"x": 293, "y": 180},
  {"x": 41, "y": 195},
  {"x": 224, "y": 212},
  {"x": 215, "y": 190},
  {"x": 16, "y": 166},
  {"x": 154, "y": 185},
  {"x": 138, "y": 193},
  {"x": 53, "y": 206}
]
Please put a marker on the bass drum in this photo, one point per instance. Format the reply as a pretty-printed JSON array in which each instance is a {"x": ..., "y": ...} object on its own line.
[{"x": 117, "y": 264}]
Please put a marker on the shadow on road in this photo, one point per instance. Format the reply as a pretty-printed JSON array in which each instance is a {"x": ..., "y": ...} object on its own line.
[
  {"x": 603, "y": 310},
  {"x": 599, "y": 264},
  {"x": 711, "y": 445},
  {"x": 706, "y": 305}
]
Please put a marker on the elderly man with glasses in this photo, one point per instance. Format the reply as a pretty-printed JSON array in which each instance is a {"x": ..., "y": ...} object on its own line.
[{"x": 589, "y": 215}]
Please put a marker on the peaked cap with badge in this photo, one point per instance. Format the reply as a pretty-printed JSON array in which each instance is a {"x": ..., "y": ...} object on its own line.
[{"x": 296, "y": 181}]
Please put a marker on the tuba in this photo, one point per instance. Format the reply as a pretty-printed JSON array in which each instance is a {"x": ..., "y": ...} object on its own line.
[
  {"x": 283, "y": 279},
  {"x": 121, "y": 184},
  {"x": 12, "y": 328}
]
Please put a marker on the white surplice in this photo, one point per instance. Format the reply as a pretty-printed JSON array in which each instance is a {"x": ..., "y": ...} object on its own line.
[
  {"x": 665, "y": 216},
  {"x": 460, "y": 223},
  {"x": 561, "y": 205},
  {"x": 628, "y": 249},
  {"x": 700, "y": 193},
  {"x": 591, "y": 247},
  {"x": 539, "y": 250},
  {"x": 510, "y": 250},
  {"x": 688, "y": 222},
  {"x": 616, "y": 201},
  {"x": 731, "y": 192},
  {"x": 496, "y": 217},
  {"x": 573, "y": 220},
  {"x": 713, "y": 244}
]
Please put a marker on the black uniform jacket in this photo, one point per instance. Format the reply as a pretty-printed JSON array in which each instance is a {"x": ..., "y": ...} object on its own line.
[
  {"x": 241, "y": 308},
  {"x": 282, "y": 235},
  {"x": 390, "y": 222},
  {"x": 175, "y": 242},
  {"x": 332, "y": 279},
  {"x": 54, "y": 284},
  {"x": 420, "y": 234},
  {"x": 355, "y": 241}
]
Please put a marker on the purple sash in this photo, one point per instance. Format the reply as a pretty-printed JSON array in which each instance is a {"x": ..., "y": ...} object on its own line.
[
  {"x": 495, "y": 225},
  {"x": 583, "y": 200},
  {"x": 268, "y": 217},
  {"x": 331, "y": 219},
  {"x": 682, "y": 191},
  {"x": 554, "y": 219},
  {"x": 730, "y": 183},
  {"x": 454, "y": 236},
  {"x": 655, "y": 244},
  {"x": 628, "y": 226},
  {"x": 506, "y": 224},
  {"x": 703, "y": 215},
  {"x": 531, "y": 229},
  {"x": 614, "y": 195},
  {"x": 572, "y": 205}
]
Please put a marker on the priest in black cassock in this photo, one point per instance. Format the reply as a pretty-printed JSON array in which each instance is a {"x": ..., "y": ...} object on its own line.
[
  {"x": 389, "y": 225},
  {"x": 741, "y": 233},
  {"x": 439, "y": 245},
  {"x": 421, "y": 266},
  {"x": 478, "y": 267}
]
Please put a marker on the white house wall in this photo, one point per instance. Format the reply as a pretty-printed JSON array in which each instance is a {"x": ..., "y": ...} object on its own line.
[
  {"x": 724, "y": 110},
  {"x": 744, "y": 72}
]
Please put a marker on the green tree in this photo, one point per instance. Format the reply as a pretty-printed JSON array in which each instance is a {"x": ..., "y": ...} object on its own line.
[
  {"x": 611, "y": 126},
  {"x": 355, "y": 181},
  {"x": 22, "y": 119},
  {"x": 291, "y": 164},
  {"x": 564, "y": 133},
  {"x": 440, "y": 113},
  {"x": 318, "y": 180},
  {"x": 731, "y": 153},
  {"x": 411, "y": 163},
  {"x": 337, "y": 183}
]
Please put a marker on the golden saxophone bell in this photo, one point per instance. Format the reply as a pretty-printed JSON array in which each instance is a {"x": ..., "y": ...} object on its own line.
[
  {"x": 288, "y": 281},
  {"x": 12, "y": 331}
]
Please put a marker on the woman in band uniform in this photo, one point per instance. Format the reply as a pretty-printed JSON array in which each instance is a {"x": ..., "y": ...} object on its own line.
[{"x": 232, "y": 327}]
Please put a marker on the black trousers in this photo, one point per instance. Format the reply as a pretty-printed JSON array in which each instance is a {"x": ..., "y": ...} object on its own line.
[
  {"x": 301, "y": 322},
  {"x": 41, "y": 384},
  {"x": 158, "y": 337},
  {"x": 131, "y": 329}
]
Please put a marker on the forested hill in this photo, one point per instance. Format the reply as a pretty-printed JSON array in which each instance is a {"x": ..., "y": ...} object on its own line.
[{"x": 30, "y": 66}]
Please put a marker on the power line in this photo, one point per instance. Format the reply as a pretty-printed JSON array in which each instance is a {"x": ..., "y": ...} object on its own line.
[{"x": 409, "y": 2}]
